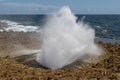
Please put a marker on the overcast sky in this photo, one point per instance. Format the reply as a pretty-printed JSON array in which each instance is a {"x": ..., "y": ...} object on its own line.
[{"x": 49, "y": 6}]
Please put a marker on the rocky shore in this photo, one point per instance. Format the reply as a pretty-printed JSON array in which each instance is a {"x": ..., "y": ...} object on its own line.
[
  {"x": 15, "y": 41},
  {"x": 18, "y": 68}
]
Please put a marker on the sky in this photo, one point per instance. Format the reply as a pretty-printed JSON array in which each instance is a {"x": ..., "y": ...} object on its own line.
[{"x": 50, "y": 6}]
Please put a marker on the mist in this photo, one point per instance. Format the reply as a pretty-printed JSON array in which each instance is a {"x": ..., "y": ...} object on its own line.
[{"x": 64, "y": 40}]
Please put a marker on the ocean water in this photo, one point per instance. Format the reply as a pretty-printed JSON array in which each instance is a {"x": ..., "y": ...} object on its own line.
[{"x": 106, "y": 26}]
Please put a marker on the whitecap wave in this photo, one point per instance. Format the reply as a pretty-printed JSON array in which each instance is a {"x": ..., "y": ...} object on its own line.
[{"x": 16, "y": 27}]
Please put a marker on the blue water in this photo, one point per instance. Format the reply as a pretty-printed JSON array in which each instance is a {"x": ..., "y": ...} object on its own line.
[
  {"x": 106, "y": 26},
  {"x": 108, "y": 23}
]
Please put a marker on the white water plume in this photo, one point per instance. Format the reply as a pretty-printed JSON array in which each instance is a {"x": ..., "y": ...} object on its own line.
[{"x": 65, "y": 40}]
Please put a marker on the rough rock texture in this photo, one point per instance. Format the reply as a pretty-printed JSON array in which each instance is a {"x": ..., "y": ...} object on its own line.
[{"x": 18, "y": 68}]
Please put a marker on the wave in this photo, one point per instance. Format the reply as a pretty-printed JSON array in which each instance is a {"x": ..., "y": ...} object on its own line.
[{"x": 17, "y": 27}]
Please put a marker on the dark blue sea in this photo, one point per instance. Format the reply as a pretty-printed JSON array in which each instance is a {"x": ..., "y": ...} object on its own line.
[{"x": 106, "y": 26}]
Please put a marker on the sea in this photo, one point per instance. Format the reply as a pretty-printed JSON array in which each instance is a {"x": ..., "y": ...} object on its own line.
[{"x": 107, "y": 27}]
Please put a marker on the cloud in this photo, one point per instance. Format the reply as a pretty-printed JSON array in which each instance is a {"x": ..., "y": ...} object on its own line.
[
  {"x": 26, "y": 8},
  {"x": 28, "y": 5}
]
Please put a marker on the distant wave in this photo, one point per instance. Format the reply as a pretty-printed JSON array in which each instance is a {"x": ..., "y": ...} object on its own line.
[{"x": 16, "y": 27}]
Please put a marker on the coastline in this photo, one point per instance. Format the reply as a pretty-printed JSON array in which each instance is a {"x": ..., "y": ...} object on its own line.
[{"x": 17, "y": 68}]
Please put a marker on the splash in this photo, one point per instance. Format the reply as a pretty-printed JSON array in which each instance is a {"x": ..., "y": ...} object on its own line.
[{"x": 65, "y": 40}]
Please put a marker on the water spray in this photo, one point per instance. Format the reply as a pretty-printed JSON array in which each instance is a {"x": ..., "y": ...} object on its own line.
[{"x": 65, "y": 40}]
